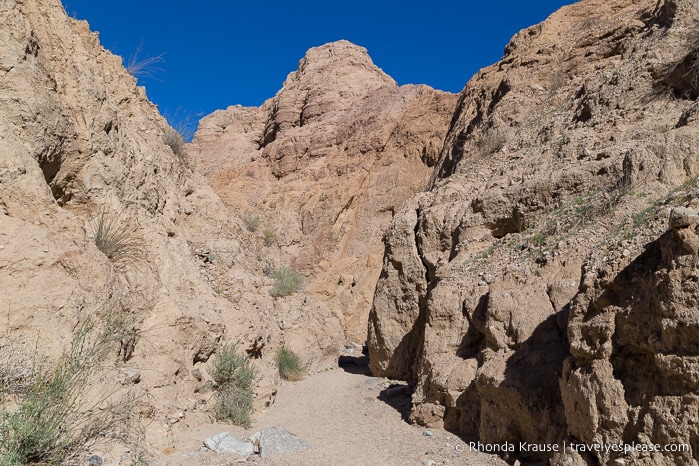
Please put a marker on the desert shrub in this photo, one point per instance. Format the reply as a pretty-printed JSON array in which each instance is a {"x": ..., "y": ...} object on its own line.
[
  {"x": 116, "y": 238},
  {"x": 286, "y": 282},
  {"x": 180, "y": 131},
  {"x": 252, "y": 222},
  {"x": 51, "y": 418},
  {"x": 17, "y": 368},
  {"x": 682, "y": 76},
  {"x": 289, "y": 364},
  {"x": 234, "y": 405},
  {"x": 175, "y": 141},
  {"x": 143, "y": 67},
  {"x": 270, "y": 235},
  {"x": 235, "y": 376},
  {"x": 491, "y": 141}
]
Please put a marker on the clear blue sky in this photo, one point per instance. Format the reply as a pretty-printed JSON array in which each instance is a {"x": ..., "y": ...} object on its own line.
[{"x": 225, "y": 52}]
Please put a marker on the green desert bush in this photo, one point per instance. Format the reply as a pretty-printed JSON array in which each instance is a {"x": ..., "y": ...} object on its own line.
[
  {"x": 289, "y": 364},
  {"x": 235, "y": 376},
  {"x": 286, "y": 282},
  {"x": 51, "y": 418}
]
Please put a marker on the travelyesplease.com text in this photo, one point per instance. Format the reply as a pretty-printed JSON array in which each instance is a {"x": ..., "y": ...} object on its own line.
[{"x": 625, "y": 448}]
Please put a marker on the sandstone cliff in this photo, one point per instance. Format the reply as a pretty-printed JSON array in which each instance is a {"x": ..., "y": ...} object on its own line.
[
  {"x": 323, "y": 165},
  {"x": 534, "y": 293},
  {"x": 79, "y": 141}
]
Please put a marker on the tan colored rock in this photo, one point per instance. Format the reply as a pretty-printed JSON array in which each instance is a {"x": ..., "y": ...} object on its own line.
[
  {"x": 539, "y": 257},
  {"x": 323, "y": 165},
  {"x": 77, "y": 138},
  {"x": 683, "y": 217}
]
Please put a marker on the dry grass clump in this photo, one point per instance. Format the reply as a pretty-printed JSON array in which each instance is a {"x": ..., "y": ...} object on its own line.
[
  {"x": 179, "y": 132},
  {"x": 17, "y": 367},
  {"x": 270, "y": 235},
  {"x": 289, "y": 364},
  {"x": 491, "y": 141},
  {"x": 252, "y": 222},
  {"x": 143, "y": 67},
  {"x": 116, "y": 238}
]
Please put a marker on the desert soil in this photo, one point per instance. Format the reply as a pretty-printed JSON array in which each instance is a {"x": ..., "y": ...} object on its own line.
[{"x": 347, "y": 417}]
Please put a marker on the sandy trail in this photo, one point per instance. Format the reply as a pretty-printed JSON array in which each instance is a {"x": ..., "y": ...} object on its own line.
[{"x": 348, "y": 418}]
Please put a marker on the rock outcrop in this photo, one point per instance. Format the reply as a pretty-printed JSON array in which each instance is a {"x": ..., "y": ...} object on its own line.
[
  {"x": 535, "y": 294},
  {"x": 323, "y": 165},
  {"x": 80, "y": 146}
]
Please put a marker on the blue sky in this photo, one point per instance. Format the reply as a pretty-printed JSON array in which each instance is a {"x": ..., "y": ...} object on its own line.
[{"x": 219, "y": 53}]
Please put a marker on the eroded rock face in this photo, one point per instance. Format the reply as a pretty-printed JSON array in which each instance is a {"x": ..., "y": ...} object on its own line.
[
  {"x": 324, "y": 164},
  {"x": 633, "y": 367},
  {"x": 534, "y": 293},
  {"x": 79, "y": 138}
]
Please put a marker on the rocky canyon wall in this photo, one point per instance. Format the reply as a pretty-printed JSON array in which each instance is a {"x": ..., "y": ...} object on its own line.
[
  {"x": 323, "y": 165},
  {"x": 80, "y": 142},
  {"x": 538, "y": 292}
]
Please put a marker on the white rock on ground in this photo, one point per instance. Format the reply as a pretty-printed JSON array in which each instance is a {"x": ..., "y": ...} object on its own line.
[{"x": 225, "y": 442}]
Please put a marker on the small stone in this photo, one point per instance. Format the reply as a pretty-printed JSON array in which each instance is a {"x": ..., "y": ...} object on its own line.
[
  {"x": 427, "y": 433},
  {"x": 626, "y": 253},
  {"x": 226, "y": 442},
  {"x": 2, "y": 246},
  {"x": 130, "y": 376},
  {"x": 429, "y": 462},
  {"x": 255, "y": 439},
  {"x": 94, "y": 461}
]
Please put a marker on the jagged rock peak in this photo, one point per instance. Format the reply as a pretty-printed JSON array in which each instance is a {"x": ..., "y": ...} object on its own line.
[
  {"x": 340, "y": 64},
  {"x": 329, "y": 78},
  {"x": 326, "y": 162}
]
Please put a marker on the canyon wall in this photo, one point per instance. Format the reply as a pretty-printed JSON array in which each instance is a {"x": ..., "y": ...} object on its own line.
[
  {"x": 537, "y": 292},
  {"x": 323, "y": 165}
]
